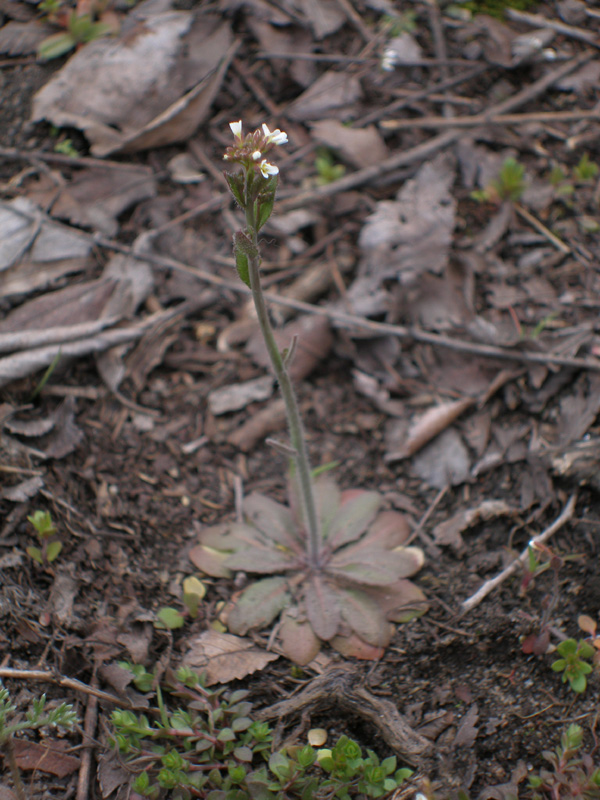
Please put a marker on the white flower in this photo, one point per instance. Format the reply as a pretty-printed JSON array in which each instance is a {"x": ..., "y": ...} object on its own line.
[
  {"x": 276, "y": 136},
  {"x": 236, "y": 128},
  {"x": 256, "y": 155},
  {"x": 389, "y": 59},
  {"x": 268, "y": 169}
]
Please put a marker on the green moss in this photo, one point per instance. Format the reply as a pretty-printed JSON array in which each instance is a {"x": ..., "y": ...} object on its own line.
[{"x": 497, "y": 8}]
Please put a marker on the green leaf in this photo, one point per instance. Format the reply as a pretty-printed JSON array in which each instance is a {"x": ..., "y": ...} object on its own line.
[
  {"x": 243, "y": 754},
  {"x": 586, "y": 650},
  {"x": 242, "y": 267},
  {"x": 279, "y": 764},
  {"x": 42, "y": 522},
  {"x": 567, "y": 648},
  {"x": 298, "y": 640},
  {"x": 388, "y": 765},
  {"x": 226, "y": 735},
  {"x": 578, "y": 683},
  {"x": 236, "y": 187},
  {"x": 274, "y": 520},
  {"x": 169, "y": 618},
  {"x": 357, "y": 510},
  {"x": 35, "y": 553},
  {"x": 241, "y": 724},
  {"x": 53, "y": 551},
  {"x": 364, "y": 616},
  {"x": 258, "y": 605},
  {"x": 265, "y": 202},
  {"x": 55, "y": 46},
  {"x": 373, "y": 567},
  {"x": 559, "y": 665},
  {"x": 322, "y": 609}
]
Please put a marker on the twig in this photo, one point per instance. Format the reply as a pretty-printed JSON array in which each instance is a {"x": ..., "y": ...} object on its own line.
[
  {"x": 89, "y": 728},
  {"x": 328, "y": 58},
  {"x": 541, "y": 228},
  {"x": 539, "y": 21},
  {"x": 60, "y": 680},
  {"x": 355, "y": 19},
  {"x": 375, "y": 116},
  {"x": 485, "y": 119},
  {"x": 565, "y": 515},
  {"x": 13, "y": 154}
]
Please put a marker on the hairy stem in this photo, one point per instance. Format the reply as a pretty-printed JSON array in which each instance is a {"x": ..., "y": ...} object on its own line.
[{"x": 294, "y": 420}]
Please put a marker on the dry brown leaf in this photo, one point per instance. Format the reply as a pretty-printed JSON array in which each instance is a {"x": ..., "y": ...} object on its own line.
[
  {"x": 443, "y": 462},
  {"x": 62, "y": 595},
  {"x": 35, "y": 251},
  {"x": 23, "y": 38},
  {"x": 406, "y": 236},
  {"x": 427, "y": 426},
  {"x": 239, "y": 395},
  {"x": 263, "y": 423},
  {"x": 151, "y": 86},
  {"x": 449, "y": 531},
  {"x": 95, "y": 197},
  {"x": 362, "y": 147},
  {"x": 47, "y": 757},
  {"x": 333, "y": 91},
  {"x": 314, "y": 341},
  {"x": 467, "y": 732},
  {"x": 224, "y": 657}
]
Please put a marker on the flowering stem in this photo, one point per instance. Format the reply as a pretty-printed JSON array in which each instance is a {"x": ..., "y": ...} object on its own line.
[{"x": 294, "y": 420}]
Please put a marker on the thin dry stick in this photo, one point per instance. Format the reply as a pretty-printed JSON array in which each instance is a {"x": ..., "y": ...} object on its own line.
[
  {"x": 539, "y": 21},
  {"x": 565, "y": 515},
  {"x": 67, "y": 683},
  {"x": 89, "y": 728},
  {"x": 485, "y": 119},
  {"x": 375, "y": 116},
  {"x": 541, "y": 228}
]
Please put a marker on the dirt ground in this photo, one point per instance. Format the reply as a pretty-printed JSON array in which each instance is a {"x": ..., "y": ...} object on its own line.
[{"x": 131, "y": 467}]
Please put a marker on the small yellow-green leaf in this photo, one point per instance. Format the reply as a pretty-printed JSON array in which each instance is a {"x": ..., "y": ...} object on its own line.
[
  {"x": 191, "y": 585},
  {"x": 169, "y": 618},
  {"x": 36, "y": 554},
  {"x": 55, "y": 46},
  {"x": 53, "y": 551}
]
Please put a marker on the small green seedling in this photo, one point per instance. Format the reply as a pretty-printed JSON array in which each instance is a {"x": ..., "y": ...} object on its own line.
[
  {"x": 193, "y": 593},
  {"x": 328, "y": 170},
  {"x": 574, "y": 663},
  {"x": 571, "y": 773},
  {"x": 586, "y": 170},
  {"x": 540, "y": 559},
  {"x": 495, "y": 8},
  {"x": 590, "y": 626},
  {"x": 37, "y": 717},
  {"x": 396, "y": 24},
  {"x": 508, "y": 186},
  {"x": 50, "y": 547}
]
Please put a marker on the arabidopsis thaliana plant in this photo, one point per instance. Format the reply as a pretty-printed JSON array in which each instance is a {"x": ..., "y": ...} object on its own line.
[
  {"x": 268, "y": 169},
  {"x": 276, "y": 136}
]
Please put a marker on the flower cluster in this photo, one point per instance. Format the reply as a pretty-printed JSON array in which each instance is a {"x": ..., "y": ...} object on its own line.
[
  {"x": 250, "y": 150},
  {"x": 389, "y": 59}
]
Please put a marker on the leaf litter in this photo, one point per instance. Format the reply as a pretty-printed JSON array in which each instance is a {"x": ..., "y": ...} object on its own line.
[{"x": 459, "y": 286}]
